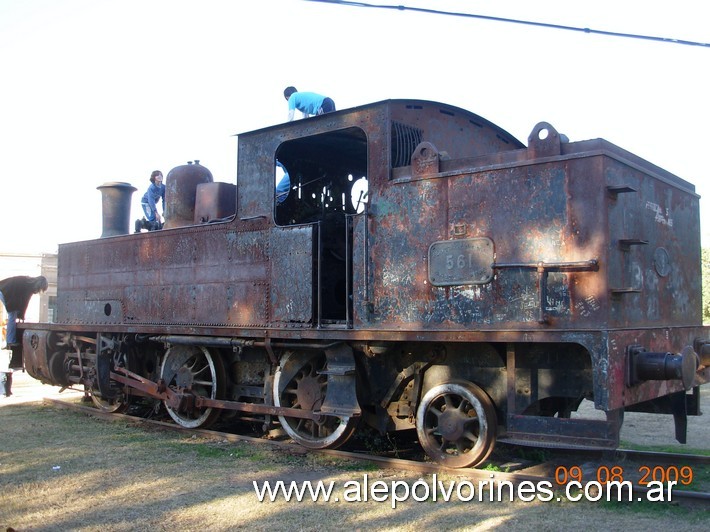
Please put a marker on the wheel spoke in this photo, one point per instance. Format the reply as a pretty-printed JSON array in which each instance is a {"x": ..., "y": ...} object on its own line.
[
  {"x": 204, "y": 368},
  {"x": 470, "y": 436},
  {"x": 465, "y": 406},
  {"x": 312, "y": 371}
]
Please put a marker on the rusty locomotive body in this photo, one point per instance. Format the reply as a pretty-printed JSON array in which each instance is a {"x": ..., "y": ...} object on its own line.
[{"x": 426, "y": 271}]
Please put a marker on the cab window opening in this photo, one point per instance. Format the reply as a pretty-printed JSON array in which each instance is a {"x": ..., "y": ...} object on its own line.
[{"x": 321, "y": 177}]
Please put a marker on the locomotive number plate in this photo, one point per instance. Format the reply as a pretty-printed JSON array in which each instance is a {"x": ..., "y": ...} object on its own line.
[{"x": 458, "y": 262}]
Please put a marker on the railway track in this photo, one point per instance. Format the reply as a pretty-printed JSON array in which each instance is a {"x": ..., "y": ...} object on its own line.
[{"x": 558, "y": 467}]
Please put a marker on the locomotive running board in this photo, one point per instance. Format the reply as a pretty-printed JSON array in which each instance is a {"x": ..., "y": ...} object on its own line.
[
  {"x": 178, "y": 400},
  {"x": 563, "y": 432}
]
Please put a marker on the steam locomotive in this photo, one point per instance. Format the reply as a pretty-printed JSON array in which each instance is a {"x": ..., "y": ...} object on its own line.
[{"x": 425, "y": 271}]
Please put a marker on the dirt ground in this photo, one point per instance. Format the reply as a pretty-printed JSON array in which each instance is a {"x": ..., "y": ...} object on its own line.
[
  {"x": 62, "y": 471},
  {"x": 25, "y": 389}
]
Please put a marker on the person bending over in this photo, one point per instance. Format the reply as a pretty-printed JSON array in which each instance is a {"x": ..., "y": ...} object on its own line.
[
  {"x": 309, "y": 103},
  {"x": 15, "y": 294}
]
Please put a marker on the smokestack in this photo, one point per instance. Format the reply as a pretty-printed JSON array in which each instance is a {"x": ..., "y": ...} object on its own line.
[{"x": 116, "y": 207}]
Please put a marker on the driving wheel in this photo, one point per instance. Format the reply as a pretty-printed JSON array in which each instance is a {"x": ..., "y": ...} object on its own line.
[
  {"x": 193, "y": 369},
  {"x": 299, "y": 383},
  {"x": 118, "y": 402},
  {"x": 456, "y": 424}
]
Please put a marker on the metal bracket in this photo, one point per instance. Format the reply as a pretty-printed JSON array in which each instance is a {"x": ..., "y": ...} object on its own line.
[
  {"x": 402, "y": 379},
  {"x": 341, "y": 394},
  {"x": 543, "y": 268}
]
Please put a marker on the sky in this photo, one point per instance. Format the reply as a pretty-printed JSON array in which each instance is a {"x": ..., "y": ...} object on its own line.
[{"x": 97, "y": 91}]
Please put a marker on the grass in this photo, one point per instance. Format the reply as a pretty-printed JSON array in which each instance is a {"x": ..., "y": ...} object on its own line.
[
  {"x": 60, "y": 470},
  {"x": 676, "y": 449},
  {"x": 701, "y": 474}
]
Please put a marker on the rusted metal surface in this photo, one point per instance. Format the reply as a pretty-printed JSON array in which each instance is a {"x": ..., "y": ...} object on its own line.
[
  {"x": 291, "y": 291},
  {"x": 35, "y": 356},
  {"x": 617, "y": 393},
  {"x": 214, "y": 201},
  {"x": 207, "y": 275},
  {"x": 570, "y": 433},
  {"x": 541, "y": 211},
  {"x": 181, "y": 192}
]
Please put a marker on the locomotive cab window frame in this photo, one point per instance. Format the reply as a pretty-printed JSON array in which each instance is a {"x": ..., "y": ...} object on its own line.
[{"x": 319, "y": 176}]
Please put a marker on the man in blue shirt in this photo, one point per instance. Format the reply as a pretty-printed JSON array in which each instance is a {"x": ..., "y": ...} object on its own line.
[
  {"x": 284, "y": 185},
  {"x": 309, "y": 103}
]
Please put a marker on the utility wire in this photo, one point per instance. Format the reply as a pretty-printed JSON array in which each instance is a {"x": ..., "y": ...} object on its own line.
[{"x": 516, "y": 21}]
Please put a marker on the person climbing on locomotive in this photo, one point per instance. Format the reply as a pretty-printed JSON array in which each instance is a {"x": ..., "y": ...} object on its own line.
[
  {"x": 309, "y": 103},
  {"x": 156, "y": 191},
  {"x": 284, "y": 185},
  {"x": 15, "y": 294}
]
